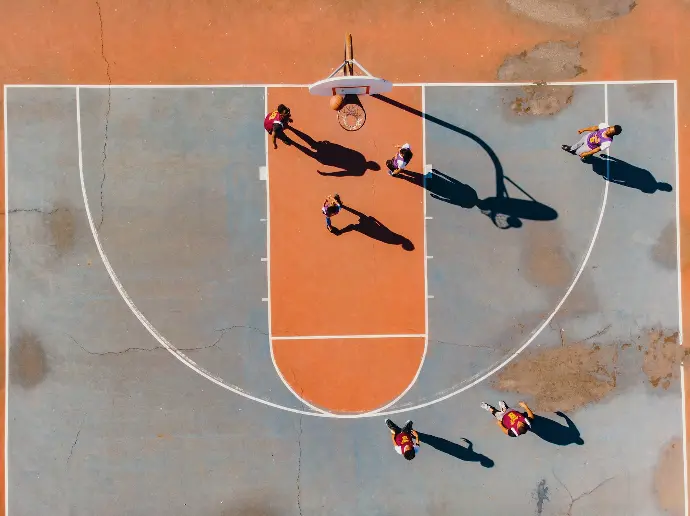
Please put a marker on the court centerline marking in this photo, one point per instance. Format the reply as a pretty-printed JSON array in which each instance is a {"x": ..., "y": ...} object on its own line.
[
  {"x": 278, "y": 372},
  {"x": 7, "y": 299},
  {"x": 680, "y": 306},
  {"x": 306, "y": 85},
  {"x": 376, "y": 413},
  {"x": 332, "y": 337}
]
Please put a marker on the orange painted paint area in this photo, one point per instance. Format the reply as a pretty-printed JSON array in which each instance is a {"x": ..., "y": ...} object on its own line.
[
  {"x": 366, "y": 280},
  {"x": 349, "y": 375}
]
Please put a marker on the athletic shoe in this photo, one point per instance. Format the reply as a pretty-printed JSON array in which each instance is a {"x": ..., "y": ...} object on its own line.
[
  {"x": 503, "y": 406},
  {"x": 408, "y": 426},
  {"x": 390, "y": 424},
  {"x": 486, "y": 406}
]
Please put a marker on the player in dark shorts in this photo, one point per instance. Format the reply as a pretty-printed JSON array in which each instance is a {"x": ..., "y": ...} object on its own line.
[
  {"x": 331, "y": 207},
  {"x": 405, "y": 439},
  {"x": 511, "y": 421},
  {"x": 275, "y": 123}
]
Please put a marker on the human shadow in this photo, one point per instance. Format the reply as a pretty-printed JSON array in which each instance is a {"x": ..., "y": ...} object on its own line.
[
  {"x": 622, "y": 173},
  {"x": 349, "y": 161},
  {"x": 554, "y": 432},
  {"x": 448, "y": 189},
  {"x": 456, "y": 450},
  {"x": 373, "y": 228},
  {"x": 493, "y": 207}
]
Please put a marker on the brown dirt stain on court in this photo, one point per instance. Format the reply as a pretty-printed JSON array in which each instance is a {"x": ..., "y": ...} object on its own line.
[
  {"x": 668, "y": 479},
  {"x": 61, "y": 225},
  {"x": 665, "y": 249},
  {"x": 572, "y": 13},
  {"x": 574, "y": 374},
  {"x": 28, "y": 365}
]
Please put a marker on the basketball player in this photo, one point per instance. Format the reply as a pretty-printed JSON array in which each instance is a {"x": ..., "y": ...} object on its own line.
[
  {"x": 401, "y": 159},
  {"x": 598, "y": 138},
  {"x": 275, "y": 123},
  {"x": 331, "y": 207},
  {"x": 512, "y": 422},
  {"x": 405, "y": 440}
]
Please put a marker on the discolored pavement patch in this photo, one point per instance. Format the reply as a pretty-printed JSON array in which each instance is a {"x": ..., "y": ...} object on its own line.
[
  {"x": 28, "y": 365},
  {"x": 573, "y": 375},
  {"x": 668, "y": 478},
  {"x": 572, "y": 13}
]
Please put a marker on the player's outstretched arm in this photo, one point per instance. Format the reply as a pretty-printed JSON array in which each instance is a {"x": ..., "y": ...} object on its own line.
[{"x": 530, "y": 414}]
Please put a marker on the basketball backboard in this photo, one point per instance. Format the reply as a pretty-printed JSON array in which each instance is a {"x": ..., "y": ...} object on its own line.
[{"x": 350, "y": 85}]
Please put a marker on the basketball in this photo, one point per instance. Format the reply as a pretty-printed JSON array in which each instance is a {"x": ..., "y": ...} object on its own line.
[{"x": 336, "y": 102}]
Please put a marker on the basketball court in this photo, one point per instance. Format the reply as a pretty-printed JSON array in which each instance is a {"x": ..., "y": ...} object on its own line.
[{"x": 199, "y": 321}]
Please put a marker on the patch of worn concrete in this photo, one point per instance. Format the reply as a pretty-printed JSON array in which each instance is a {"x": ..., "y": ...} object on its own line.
[
  {"x": 668, "y": 479},
  {"x": 544, "y": 259},
  {"x": 542, "y": 100},
  {"x": 574, "y": 374},
  {"x": 27, "y": 361},
  {"x": 61, "y": 225},
  {"x": 662, "y": 357},
  {"x": 550, "y": 61},
  {"x": 572, "y": 13},
  {"x": 665, "y": 249}
]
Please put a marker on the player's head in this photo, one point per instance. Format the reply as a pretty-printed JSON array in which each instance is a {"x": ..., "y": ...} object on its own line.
[
  {"x": 617, "y": 129},
  {"x": 521, "y": 428},
  {"x": 406, "y": 154},
  {"x": 408, "y": 452},
  {"x": 283, "y": 109}
]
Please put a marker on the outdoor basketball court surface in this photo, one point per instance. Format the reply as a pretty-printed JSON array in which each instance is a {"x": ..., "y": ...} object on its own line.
[{"x": 177, "y": 309}]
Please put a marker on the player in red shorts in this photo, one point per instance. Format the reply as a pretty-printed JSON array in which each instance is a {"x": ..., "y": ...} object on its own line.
[
  {"x": 275, "y": 123},
  {"x": 511, "y": 421},
  {"x": 405, "y": 439}
]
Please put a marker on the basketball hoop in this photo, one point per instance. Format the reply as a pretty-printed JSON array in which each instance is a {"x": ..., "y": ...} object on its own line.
[{"x": 351, "y": 115}]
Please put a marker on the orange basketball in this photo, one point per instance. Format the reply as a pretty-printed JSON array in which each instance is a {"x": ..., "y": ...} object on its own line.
[{"x": 336, "y": 102}]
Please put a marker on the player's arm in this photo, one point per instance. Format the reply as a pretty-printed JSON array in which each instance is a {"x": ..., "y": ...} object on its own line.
[
  {"x": 589, "y": 153},
  {"x": 500, "y": 424},
  {"x": 416, "y": 436},
  {"x": 530, "y": 414},
  {"x": 587, "y": 129},
  {"x": 273, "y": 138},
  {"x": 393, "y": 438}
]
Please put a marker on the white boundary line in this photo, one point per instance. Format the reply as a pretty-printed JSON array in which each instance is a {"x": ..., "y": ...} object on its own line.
[
  {"x": 268, "y": 273},
  {"x": 401, "y": 84},
  {"x": 7, "y": 301},
  {"x": 331, "y": 337},
  {"x": 191, "y": 364},
  {"x": 686, "y": 503}
]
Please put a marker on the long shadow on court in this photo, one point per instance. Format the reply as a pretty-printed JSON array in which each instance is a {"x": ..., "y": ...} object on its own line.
[
  {"x": 448, "y": 189},
  {"x": 499, "y": 207},
  {"x": 456, "y": 450},
  {"x": 349, "y": 161},
  {"x": 556, "y": 433},
  {"x": 625, "y": 174},
  {"x": 373, "y": 228}
]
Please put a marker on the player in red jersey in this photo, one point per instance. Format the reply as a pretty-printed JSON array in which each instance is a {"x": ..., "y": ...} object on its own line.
[
  {"x": 405, "y": 439},
  {"x": 511, "y": 421},
  {"x": 275, "y": 123}
]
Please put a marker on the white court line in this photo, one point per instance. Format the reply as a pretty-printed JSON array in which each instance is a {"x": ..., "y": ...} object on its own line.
[
  {"x": 426, "y": 276},
  {"x": 7, "y": 300},
  {"x": 680, "y": 307},
  {"x": 218, "y": 381},
  {"x": 371, "y": 336},
  {"x": 268, "y": 273},
  {"x": 401, "y": 84}
]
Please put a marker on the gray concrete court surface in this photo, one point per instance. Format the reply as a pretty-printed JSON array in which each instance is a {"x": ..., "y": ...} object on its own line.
[{"x": 103, "y": 421}]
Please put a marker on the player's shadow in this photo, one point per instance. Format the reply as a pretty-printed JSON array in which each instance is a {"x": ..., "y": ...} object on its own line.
[
  {"x": 349, "y": 161},
  {"x": 456, "y": 450},
  {"x": 374, "y": 229},
  {"x": 448, "y": 189},
  {"x": 622, "y": 173},
  {"x": 504, "y": 211},
  {"x": 556, "y": 433}
]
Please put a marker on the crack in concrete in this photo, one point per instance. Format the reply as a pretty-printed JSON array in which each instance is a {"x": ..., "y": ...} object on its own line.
[
  {"x": 299, "y": 467},
  {"x": 222, "y": 331},
  {"x": 573, "y": 501},
  {"x": 35, "y": 210},
  {"x": 107, "y": 113},
  {"x": 598, "y": 334},
  {"x": 542, "y": 495},
  {"x": 74, "y": 444},
  {"x": 460, "y": 344}
]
